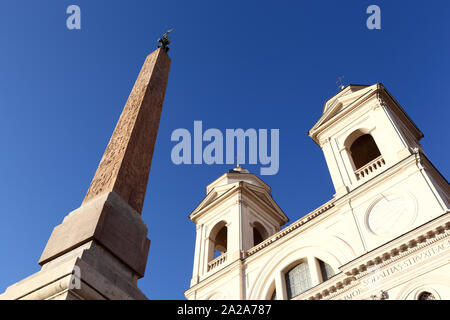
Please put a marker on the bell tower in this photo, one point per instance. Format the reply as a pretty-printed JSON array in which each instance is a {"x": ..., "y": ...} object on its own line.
[
  {"x": 380, "y": 172},
  {"x": 237, "y": 213},
  {"x": 362, "y": 132}
]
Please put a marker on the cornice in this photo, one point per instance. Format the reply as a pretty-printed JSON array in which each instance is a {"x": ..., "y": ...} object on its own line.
[
  {"x": 237, "y": 176},
  {"x": 235, "y": 265},
  {"x": 282, "y": 233},
  {"x": 234, "y": 188},
  {"x": 401, "y": 165},
  {"x": 198, "y": 212},
  {"x": 274, "y": 209},
  {"x": 385, "y": 94},
  {"x": 390, "y": 252}
]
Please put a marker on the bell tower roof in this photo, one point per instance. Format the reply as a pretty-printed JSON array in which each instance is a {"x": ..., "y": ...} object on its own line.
[
  {"x": 346, "y": 90},
  {"x": 239, "y": 169},
  {"x": 352, "y": 97},
  {"x": 235, "y": 175},
  {"x": 238, "y": 180}
]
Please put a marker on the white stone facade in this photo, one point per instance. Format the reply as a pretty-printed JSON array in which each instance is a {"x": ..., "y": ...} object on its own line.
[{"x": 383, "y": 235}]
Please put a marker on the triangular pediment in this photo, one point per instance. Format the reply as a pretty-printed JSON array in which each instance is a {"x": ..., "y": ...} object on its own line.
[
  {"x": 218, "y": 194},
  {"x": 344, "y": 93},
  {"x": 264, "y": 196},
  {"x": 214, "y": 195},
  {"x": 344, "y": 99}
]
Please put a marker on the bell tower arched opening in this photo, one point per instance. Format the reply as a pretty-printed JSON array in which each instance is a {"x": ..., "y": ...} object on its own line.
[
  {"x": 363, "y": 150},
  {"x": 218, "y": 241},
  {"x": 363, "y": 153},
  {"x": 259, "y": 233}
]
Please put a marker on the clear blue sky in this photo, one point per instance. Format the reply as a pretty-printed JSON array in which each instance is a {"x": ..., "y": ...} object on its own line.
[{"x": 235, "y": 64}]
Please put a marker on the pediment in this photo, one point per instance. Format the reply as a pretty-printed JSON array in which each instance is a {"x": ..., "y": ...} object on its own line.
[
  {"x": 265, "y": 197},
  {"x": 213, "y": 195},
  {"x": 347, "y": 91},
  {"x": 342, "y": 101},
  {"x": 262, "y": 196},
  {"x": 260, "y": 193}
]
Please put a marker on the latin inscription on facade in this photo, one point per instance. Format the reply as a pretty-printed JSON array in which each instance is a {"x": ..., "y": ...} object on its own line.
[{"x": 381, "y": 274}]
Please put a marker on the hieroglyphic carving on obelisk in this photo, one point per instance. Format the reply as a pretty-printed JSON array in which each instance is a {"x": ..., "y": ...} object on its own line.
[{"x": 125, "y": 165}]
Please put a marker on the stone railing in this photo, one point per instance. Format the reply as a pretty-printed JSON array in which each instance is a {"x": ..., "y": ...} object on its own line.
[
  {"x": 291, "y": 228},
  {"x": 220, "y": 260},
  {"x": 369, "y": 168}
]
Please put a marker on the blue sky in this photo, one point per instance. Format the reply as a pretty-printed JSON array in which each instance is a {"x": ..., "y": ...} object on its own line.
[{"x": 235, "y": 64}]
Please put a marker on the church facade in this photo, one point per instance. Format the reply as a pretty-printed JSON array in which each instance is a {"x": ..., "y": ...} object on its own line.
[{"x": 385, "y": 234}]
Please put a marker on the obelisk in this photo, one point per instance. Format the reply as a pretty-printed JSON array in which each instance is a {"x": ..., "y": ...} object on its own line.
[{"x": 100, "y": 250}]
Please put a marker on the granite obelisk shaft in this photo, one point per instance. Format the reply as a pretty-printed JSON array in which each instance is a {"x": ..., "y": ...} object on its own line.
[{"x": 125, "y": 165}]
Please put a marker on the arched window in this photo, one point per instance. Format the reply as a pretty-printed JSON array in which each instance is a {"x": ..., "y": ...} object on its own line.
[
  {"x": 326, "y": 270},
  {"x": 218, "y": 240},
  {"x": 257, "y": 237},
  {"x": 259, "y": 233},
  {"x": 363, "y": 150},
  {"x": 298, "y": 280},
  {"x": 425, "y": 295},
  {"x": 221, "y": 240}
]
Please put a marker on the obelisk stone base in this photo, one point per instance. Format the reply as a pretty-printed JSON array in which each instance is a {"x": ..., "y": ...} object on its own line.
[
  {"x": 102, "y": 245},
  {"x": 86, "y": 273},
  {"x": 111, "y": 222}
]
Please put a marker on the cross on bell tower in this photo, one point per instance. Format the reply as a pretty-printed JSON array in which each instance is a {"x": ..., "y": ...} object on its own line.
[{"x": 340, "y": 83}]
